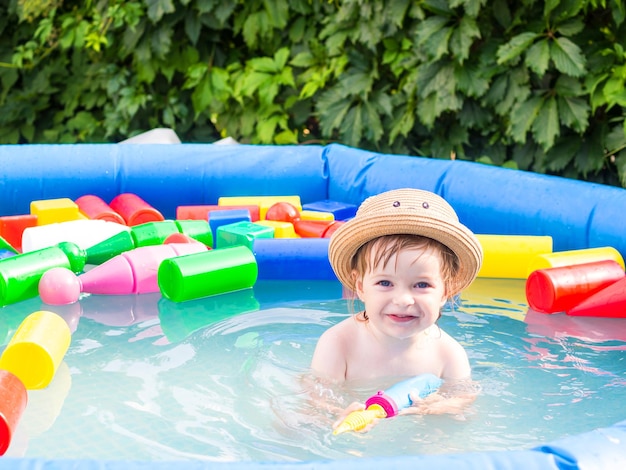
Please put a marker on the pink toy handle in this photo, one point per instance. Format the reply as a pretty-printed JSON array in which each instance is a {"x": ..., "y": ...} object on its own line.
[{"x": 384, "y": 401}]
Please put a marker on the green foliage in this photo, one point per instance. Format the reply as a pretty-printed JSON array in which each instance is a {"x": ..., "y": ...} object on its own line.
[{"x": 534, "y": 85}]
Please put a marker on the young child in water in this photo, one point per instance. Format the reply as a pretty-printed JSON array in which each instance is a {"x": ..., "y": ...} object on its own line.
[{"x": 403, "y": 255}]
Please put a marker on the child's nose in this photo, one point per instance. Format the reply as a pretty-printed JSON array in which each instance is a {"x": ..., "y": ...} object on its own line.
[{"x": 404, "y": 298}]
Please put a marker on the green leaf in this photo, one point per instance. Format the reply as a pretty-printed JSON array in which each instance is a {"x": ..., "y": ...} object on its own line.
[
  {"x": 263, "y": 64},
  {"x": 158, "y": 8},
  {"x": 538, "y": 57},
  {"x": 515, "y": 47},
  {"x": 202, "y": 95},
  {"x": 193, "y": 26},
  {"x": 546, "y": 126},
  {"x": 463, "y": 37},
  {"x": 567, "y": 57},
  {"x": 470, "y": 81},
  {"x": 574, "y": 113},
  {"x": 437, "y": 45},
  {"x": 562, "y": 154},
  {"x": 303, "y": 59},
  {"x": 429, "y": 27},
  {"x": 280, "y": 57},
  {"x": 523, "y": 117},
  {"x": 570, "y": 27},
  {"x": 352, "y": 126}
]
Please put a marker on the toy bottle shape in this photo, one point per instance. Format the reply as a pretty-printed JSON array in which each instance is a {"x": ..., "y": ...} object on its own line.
[
  {"x": 559, "y": 289},
  {"x": 608, "y": 302},
  {"x": 20, "y": 274},
  {"x": 134, "y": 271},
  {"x": 37, "y": 348},
  {"x": 13, "y": 399},
  {"x": 386, "y": 404}
]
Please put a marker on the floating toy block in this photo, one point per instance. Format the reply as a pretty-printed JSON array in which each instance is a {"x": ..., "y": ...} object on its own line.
[
  {"x": 609, "y": 302},
  {"x": 559, "y": 289},
  {"x": 241, "y": 233},
  {"x": 571, "y": 257},
  {"x": 281, "y": 229},
  {"x": 12, "y": 227},
  {"x": 226, "y": 217},
  {"x": 507, "y": 256},
  {"x": 293, "y": 258},
  {"x": 37, "y": 349},
  {"x": 205, "y": 274},
  {"x": 317, "y": 215},
  {"x": 93, "y": 207},
  {"x": 20, "y": 274},
  {"x": 204, "y": 212},
  {"x": 340, "y": 210},
  {"x": 49, "y": 211},
  {"x": 13, "y": 400},
  {"x": 264, "y": 202},
  {"x": 134, "y": 210},
  {"x": 85, "y": 233}
]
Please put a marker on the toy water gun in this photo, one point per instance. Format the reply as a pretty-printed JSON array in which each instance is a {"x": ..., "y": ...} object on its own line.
[{"x": 386, "y": 404}]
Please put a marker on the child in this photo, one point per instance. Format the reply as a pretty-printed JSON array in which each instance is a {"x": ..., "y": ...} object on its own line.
[{"x": 404, "y": 255}]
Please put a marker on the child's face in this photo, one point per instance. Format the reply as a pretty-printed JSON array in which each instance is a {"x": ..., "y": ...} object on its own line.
[{"x": 404, "y": 297}]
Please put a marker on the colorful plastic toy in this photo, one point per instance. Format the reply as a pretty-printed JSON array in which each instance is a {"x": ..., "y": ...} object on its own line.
[
  {"x": 134, "y": 210},
  {"x": 386, "y": 404},
  {"x": 210, "y": 273},
  {"x": 507, "y": 256},
  {"x": 95, "y": 208},
  {"x": 13, "y": 399},
  {"x": 85, "y": 233},
  {"x": 148, "y": 234},
  {"x": 559, "y": 289},
  {"x": 571, "y": 257},
  {"x": 609, "y": 302},
  {"x": 132, "y": 272},
  {"x": 37, "y": 348},
  {"x": 20, "y": 274}
]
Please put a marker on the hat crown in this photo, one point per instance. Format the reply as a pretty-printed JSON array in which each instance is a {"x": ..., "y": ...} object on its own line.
[{"x": 412, "y": 201}]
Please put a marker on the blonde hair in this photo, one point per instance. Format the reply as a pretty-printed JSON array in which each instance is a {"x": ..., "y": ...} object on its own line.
[{"x": 380, "y": 250}]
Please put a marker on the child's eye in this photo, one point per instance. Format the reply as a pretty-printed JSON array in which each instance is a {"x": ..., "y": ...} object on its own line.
[
  {"x": 384, "y": 283},
  {"x": 422, "y": 285}
]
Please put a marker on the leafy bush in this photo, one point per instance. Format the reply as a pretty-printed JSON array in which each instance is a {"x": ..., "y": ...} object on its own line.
[{"x": 536, "y": 85}]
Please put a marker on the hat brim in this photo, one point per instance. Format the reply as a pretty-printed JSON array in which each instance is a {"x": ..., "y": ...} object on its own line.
[{"x": 346, "y": 241}]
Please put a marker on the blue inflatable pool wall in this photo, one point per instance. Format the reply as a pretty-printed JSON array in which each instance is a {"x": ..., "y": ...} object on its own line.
[{"x": 489, "y": 200}]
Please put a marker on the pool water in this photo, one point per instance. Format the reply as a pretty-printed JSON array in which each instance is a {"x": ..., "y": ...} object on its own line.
[{"x": 226, "y": 378}]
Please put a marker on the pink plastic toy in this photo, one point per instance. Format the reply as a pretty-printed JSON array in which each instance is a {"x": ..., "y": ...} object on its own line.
[{"x": 132, "y": 272}]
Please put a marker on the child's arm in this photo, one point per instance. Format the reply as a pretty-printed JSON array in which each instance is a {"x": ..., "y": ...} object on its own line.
[{"x": 329, "y": 358}]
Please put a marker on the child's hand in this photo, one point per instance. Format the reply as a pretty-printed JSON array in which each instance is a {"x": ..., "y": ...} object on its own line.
[{"x": 436, "y": 404}]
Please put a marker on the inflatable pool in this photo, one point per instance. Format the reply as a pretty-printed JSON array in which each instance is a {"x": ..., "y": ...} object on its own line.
[{"x": 489, "y": 200}]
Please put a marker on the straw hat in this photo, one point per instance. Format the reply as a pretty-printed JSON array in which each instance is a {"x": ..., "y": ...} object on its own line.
[{"x": 406, "y": 211}]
